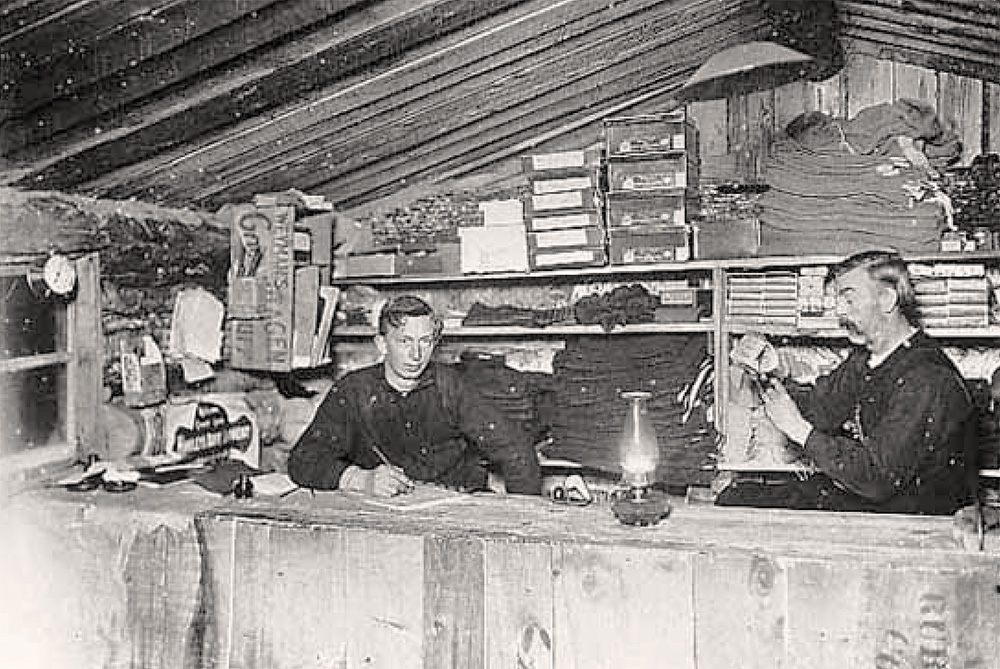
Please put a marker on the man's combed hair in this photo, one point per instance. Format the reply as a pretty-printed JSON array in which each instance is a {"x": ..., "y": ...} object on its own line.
[
  {"x": 399, "y": 308},
  {"x": 886, "y": 267}
]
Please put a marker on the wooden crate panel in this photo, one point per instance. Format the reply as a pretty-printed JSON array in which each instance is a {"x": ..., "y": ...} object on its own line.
[{"x": 618, "y": 606}]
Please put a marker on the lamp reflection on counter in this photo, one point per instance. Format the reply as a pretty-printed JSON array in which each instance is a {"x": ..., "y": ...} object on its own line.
[{"x": 639, "y": 456}]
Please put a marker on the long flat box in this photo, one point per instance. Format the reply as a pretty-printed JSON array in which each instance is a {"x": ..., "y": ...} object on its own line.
[
  {"x": 445, "y": 259},
  {"x": 565, "y": 163},
  {"x": 305, "y": 315},
  {"x": 584, "y": 199},
  {"x": 651, "y": 174},
  {"x": 541, "y": 185},
  {"x": 648, "y": 244},
  {"x": 585, "y": 236},
  {"x": 628, "y": 210},
  {"x": 366, "y": 264},
  {"x": 593, "y": 256},
  {"x": 650, "y": 133},
  {"x": 562, "y": 221}
]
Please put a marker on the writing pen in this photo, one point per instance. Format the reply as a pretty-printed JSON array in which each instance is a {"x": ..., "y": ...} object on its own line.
[{"x": 385, "y": 461}]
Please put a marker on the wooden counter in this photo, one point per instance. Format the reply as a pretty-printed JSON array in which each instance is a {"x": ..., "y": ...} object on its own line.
[{"x": 331, "y": 580}]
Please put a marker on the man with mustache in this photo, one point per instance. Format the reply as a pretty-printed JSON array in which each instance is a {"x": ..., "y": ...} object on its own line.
[
  {"x": 892, "y": 428},
  {"x": 409, "y": 419}
]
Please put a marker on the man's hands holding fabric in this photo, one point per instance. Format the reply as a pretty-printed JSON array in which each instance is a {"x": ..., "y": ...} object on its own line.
[
  {"x": 383, "y": 481},
  {"x": 755, "y": 353},
  {"x": 784, "y": 413}
]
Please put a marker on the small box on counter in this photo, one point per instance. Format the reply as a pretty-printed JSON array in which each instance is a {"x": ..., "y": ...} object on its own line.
[
  {"x": 649, "y": 244},
  {"x": 650, "y": 133},
  {"x": 627, "y": 209}
]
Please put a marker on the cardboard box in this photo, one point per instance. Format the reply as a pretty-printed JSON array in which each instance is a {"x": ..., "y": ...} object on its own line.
[
  {"x": 261, "y": 286},
  {"x": 563, "y": 202},
  {"x": 366, "y": 264},
  {"x": 562, "y": 258},
  {"x": 562, "y": 221},
  {"x": 541, "y": 185},
  {"x": 493, "y": 249},
  {"x": 319, "y": 230},
  {"x": 650, "y": 133},
  {"x": 648, "y": 244},
  {"x": 306, "y": 315},
  {"x": 585, "y": 236},
  {"x": 578, "y": 162},
  {"x": 651, "y": 174},
  {"x": 629, "y": 210},
  {"x": 444, "y": 260}
]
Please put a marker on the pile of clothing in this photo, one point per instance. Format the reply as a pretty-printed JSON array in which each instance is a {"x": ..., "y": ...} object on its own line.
[
  {"x": 588, "y": 412},
  {"x": 841, "y": 186}
]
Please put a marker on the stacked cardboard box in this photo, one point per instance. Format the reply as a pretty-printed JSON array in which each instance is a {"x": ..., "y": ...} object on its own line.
[
  {"x": 763, "y": 298},
  {"x": 280, "y": 266},
  {"x": 499, "y": 245},
  {"x": 652, "y": 183},
  {"x": 564, "y": 223},
  {"x": 952, "y": 295}
]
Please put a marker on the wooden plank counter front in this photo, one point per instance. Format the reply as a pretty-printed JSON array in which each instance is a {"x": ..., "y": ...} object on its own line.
[
  {"x": 178, "y": 578},
  {"x": 329, "y": 580}
]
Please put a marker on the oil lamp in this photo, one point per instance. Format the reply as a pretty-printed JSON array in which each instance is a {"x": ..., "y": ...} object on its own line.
[{"x": 639, "y": 454}]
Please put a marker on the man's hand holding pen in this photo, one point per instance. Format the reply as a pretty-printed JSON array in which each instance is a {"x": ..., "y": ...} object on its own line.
[{"x": 384, "y": 481}]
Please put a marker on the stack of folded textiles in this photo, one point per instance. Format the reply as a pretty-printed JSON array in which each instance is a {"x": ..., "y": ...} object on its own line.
[{"x": 840, "y": 186}]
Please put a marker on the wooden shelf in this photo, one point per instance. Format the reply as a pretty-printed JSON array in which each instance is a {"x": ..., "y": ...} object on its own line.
[{"x": 550, "y": 331}]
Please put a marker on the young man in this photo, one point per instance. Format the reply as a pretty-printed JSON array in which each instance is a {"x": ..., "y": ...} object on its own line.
[
  {"x": 410, "y": 419},
  {"x": 892, "y": 428}
]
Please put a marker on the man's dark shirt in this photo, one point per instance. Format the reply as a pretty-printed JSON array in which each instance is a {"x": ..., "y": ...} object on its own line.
[
  {"x": 442, "y": 431},
  {"x": 899, "y": 438}
]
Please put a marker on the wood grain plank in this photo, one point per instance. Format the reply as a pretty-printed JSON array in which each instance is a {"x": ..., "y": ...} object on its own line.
[
  {"x": 827, "y": 96},
  {"x": 251, "y": 594},
  {"x": 869, "y": 82},
  {"x": 604, "y": 59},
  {"x": 827, "y": 627},
  {"x": 741, "y": 599},
  {"x": 127, "y": 52},
  {"x": 991, "y": 98},
  {"x": 960, "y": 107},
  {"x": 710, "y": 117},
  {"x": 495, "y": 137},
  {"x": 790, "y": 101},
  {"x": 84, "y": 373},
  {"x": 217, "y": 537},
  {"x": 623, "y": 607},
  {"x": 230, "y": 103},
  {"x": 518, "y": 600},
  {"x": 425, "y": 68},
  {"x": 915, "y": 83},
  {"x": 386, "y": 599},
  {"x": 308, "y": 620},
  {"x": 882, "y": 614},
  {"x": 454, "y": 633}
]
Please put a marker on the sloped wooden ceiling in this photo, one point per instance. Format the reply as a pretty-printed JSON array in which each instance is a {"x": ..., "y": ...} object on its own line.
[{"x": 198, "y": 103}]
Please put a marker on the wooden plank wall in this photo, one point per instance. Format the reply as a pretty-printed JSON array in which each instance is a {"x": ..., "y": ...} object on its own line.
[
  {"x": 315, "y": 595},
  {"x": 734, "y": 133}
]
